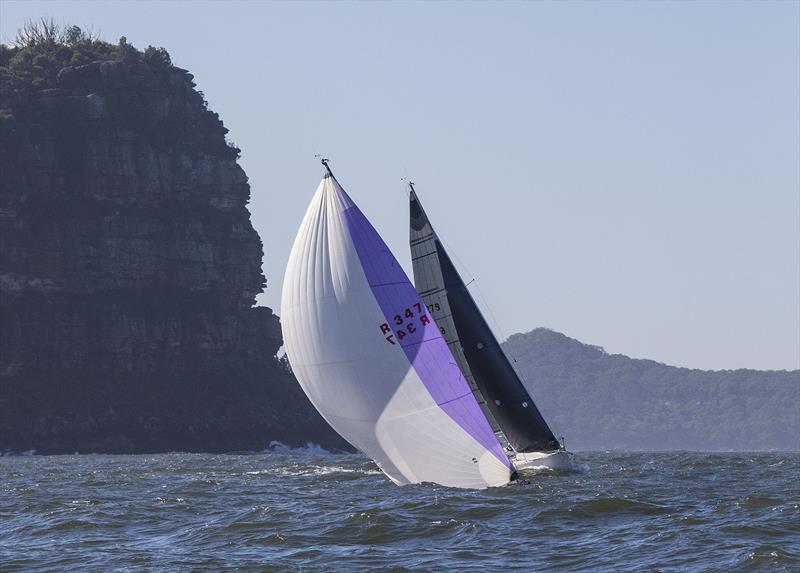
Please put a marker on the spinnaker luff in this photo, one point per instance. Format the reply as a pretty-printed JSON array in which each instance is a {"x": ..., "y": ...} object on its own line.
[{"x": 371, "y": 359}]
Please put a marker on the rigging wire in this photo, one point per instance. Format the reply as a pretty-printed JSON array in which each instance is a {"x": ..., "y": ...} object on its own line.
[
  {"x": 502, "y": 332},
  {"x": 495, "y": 325}
]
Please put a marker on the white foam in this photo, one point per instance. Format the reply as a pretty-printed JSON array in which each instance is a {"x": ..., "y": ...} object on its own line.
[
  {"x": 324, "y": 470},
  {"x": 309, "y": 449},
  {"x": 313, "y": 470}
]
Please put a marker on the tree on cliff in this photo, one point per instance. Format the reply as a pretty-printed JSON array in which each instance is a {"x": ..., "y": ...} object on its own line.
[{"x": 42, "y": 48}]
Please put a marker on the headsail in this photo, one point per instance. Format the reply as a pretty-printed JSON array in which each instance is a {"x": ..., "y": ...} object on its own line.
[
  {"x": 371, "y": 359},
  {"x": 482, "y": 359}
]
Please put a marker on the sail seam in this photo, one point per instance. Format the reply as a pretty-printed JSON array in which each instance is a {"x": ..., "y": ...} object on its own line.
[
  {"x": 423, "y": 256},
  {"x": 431, "y": 291},
  {"x": 422, "y": 239}
]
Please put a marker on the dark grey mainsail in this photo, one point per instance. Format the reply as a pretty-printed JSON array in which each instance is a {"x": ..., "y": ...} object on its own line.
[{"x": 496, "y": 385}]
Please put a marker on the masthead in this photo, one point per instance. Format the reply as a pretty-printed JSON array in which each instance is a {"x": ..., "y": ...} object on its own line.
[{"x": 324, "y": 161}]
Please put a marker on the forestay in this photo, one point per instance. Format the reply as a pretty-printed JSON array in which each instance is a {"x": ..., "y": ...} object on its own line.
[{"x": 371, "y": 358}]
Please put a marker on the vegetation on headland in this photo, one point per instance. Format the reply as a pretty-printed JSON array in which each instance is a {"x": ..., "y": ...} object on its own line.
[
  {"x": 43, "y": 51},
  {"x": 610, "y": 401}
]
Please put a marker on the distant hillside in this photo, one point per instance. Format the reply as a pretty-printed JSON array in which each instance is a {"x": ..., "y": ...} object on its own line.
[{"x": 609, "y": 401}]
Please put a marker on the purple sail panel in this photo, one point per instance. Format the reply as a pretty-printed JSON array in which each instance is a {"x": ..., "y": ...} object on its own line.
[{"x": 409, "y": 325}]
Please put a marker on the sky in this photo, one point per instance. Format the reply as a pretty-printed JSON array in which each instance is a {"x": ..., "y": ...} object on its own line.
[{"x": 625, "y": 173}]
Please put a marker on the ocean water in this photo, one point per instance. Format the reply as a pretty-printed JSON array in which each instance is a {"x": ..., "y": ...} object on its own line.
[{"x": 309, "y": 510}]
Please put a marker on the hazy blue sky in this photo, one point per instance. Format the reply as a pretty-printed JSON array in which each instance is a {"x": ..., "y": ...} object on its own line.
[{"x": 625, "y": 173}]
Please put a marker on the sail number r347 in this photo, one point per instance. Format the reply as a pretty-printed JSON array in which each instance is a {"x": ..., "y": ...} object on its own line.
[{"x": 405, "y": 323}]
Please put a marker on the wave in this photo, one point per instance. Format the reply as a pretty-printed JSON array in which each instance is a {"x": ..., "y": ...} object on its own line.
[
  {"x": 324, "y": 470},
  {"x": 310, "y": 449},
  {"x": 605, "y": 507},
  {"x": 26, "y": 453},
  {"x": 316, "y": 470},
  {"x": 299, "y": 511}
]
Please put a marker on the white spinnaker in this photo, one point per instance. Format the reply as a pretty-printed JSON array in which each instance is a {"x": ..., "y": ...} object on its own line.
[{"x": 365, "y": 388}]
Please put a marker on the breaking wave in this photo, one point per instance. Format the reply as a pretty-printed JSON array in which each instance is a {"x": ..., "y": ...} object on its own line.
[{"x": 310, "y": 448}]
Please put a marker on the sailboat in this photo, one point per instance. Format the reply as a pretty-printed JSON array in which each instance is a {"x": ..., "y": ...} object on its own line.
[
  {"x": 502, "y": 396},
  {"x": 370, "y": 355}
]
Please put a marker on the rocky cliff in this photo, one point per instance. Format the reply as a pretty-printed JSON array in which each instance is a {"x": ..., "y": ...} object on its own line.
[{"x": 128, "y": 264}]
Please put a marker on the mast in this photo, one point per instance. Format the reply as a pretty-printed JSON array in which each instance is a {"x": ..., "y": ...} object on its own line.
[
  {"x": 426, "y": 273},
  {"x": 325, "y": 162},
  {"x": 501, "y": 391}
]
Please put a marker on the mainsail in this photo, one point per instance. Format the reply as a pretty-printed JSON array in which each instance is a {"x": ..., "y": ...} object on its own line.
[
  {"x": 371, "y": 359},
  {"x": 483, "y": 362}
]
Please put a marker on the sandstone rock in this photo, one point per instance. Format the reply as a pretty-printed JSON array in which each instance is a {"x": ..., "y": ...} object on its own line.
[{"x": 128, "y": 273}]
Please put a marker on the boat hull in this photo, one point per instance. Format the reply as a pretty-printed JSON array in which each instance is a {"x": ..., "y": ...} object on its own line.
[{"x": 560, "y": 461}]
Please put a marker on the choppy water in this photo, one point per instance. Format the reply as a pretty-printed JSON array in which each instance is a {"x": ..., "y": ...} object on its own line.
[{"x": 310, "y": 510}]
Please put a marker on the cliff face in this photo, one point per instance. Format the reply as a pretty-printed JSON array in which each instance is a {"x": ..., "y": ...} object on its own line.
[{"x": 129, "y": 267}]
